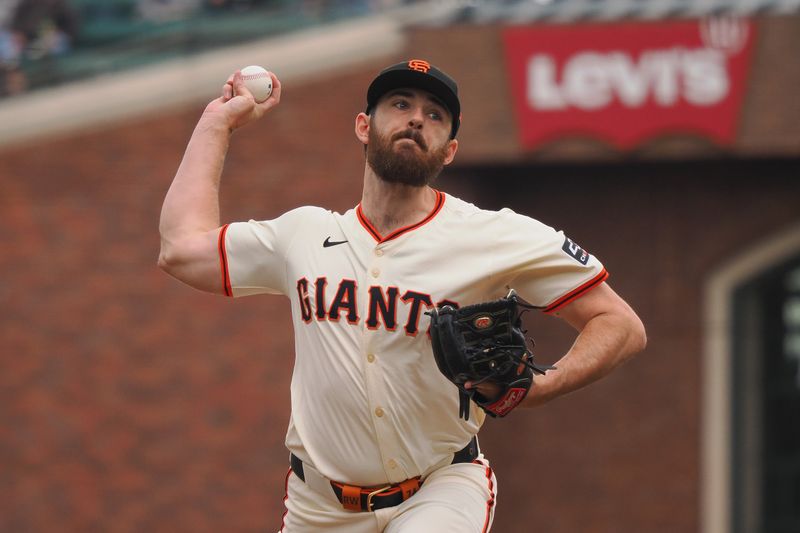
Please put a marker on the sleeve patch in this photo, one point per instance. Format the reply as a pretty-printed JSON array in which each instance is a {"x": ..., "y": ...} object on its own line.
[{"x": 574, "y": 251}]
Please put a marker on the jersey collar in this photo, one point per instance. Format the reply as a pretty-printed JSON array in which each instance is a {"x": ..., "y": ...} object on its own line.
[{"x": 440, "y": 196}]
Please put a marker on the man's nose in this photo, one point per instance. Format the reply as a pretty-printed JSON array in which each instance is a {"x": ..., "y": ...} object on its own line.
[{"x": 416, "y": 120}]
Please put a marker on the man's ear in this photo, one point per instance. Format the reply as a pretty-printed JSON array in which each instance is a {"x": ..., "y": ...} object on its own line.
[
  {"x": 362, "y": 128},
  {"x": 452, "y": 148}
]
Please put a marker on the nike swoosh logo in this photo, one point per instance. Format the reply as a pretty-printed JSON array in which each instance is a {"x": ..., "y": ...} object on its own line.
[{"x": 328, "y": 243}]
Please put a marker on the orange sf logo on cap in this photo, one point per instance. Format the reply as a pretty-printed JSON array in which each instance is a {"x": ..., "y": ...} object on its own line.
[{"x": 420, "y": 65}]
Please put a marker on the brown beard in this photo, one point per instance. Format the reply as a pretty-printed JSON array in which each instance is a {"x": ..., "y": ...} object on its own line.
[{"x": 404, "y": 165}]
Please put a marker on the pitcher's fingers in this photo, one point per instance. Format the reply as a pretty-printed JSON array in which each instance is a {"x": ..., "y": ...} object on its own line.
[
  {"x": 227, "y": 89},
  {"x": 276, "y": 87},
  {"x": 275, "y": 95},
  {"x": 239, "y": 88}
]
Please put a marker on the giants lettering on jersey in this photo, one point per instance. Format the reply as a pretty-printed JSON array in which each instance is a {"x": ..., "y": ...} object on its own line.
[{"x": 381, "y": 306}]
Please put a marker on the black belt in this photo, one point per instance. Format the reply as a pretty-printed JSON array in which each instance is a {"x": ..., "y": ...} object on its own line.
[{"x": 369, "y": 499}]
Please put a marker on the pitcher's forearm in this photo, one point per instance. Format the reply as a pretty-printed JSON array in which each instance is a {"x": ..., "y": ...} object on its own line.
[
  {"x": 190, "y": 218},
  {"x": 192, "y": 202},
  {"x": 605, "y": 343}
]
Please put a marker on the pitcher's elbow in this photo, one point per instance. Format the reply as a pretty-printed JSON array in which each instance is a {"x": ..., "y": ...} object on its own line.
[
  {"x": 639, "y": 335},
  {"x": 166, "y": 260}
]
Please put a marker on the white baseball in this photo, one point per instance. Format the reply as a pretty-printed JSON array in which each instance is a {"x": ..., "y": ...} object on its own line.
[{"x": 258, "y": 81}]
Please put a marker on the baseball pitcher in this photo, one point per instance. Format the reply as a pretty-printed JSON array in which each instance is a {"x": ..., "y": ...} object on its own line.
[{"x": 405, "y": 310}]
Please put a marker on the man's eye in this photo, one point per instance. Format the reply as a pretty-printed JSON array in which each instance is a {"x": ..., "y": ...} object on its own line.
[
  {"x": 401, "y": 104},
  {"x": 435, "y": 115}
]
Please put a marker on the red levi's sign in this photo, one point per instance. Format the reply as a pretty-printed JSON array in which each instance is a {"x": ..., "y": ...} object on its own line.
[{"x": 628, "y": 82}]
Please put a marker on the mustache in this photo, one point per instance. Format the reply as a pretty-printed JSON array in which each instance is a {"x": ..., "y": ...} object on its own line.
[{"x": 412, "y": 134}]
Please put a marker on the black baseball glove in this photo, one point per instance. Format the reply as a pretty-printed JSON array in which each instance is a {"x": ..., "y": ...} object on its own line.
[{"x": 485, "y": 342}]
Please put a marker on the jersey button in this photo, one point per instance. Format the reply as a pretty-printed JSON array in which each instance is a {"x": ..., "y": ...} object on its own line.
[
  {"x": 379, "y": 412},
  {"x": 379, "y": 252},
  {"x": 371, "y": 357},
  {"x": 392, "y": 464},
  {"x": 376, "y": 272}
]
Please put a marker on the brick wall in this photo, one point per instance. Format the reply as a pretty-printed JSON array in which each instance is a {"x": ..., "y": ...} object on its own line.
[
  {"x": 623, "y": 455},
  {"x": 131, "y": 403}
]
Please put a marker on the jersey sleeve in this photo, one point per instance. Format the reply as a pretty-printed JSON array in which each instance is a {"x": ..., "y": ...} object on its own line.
[
  {"x": 253, "y": 254},
  {"x": 551, "y": 269}
]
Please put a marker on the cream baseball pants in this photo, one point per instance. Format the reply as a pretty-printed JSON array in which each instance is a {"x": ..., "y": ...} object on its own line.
[{"x": 457, "y": 498}]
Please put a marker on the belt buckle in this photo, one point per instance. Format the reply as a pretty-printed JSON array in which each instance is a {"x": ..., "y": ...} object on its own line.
[{"x": 375, "y": 493}]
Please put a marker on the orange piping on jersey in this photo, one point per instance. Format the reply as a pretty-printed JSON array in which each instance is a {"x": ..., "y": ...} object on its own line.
[
  {"x": 223, "y": 262},
  {"x": 490, "y": 501},
  {"x": 367, "y": 226},
  {"x": 580, "y": 291},
  {"x": 377, "y": 236},
  {"x": 285, "y": 497}
]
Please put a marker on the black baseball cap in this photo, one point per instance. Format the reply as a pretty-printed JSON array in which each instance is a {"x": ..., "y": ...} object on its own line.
[{"x": 418, "y": 74}]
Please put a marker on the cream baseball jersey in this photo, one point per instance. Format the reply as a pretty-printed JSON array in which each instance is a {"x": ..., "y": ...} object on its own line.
[{"x": 369, "y": 405}]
